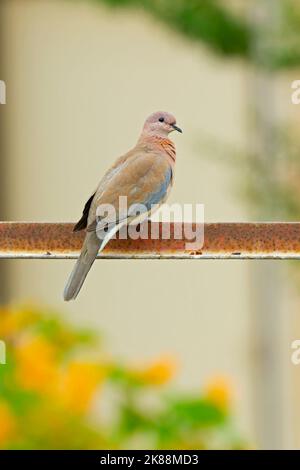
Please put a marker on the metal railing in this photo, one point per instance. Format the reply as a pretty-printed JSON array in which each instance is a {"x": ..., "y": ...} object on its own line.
[{"x": 221, "y": 241}]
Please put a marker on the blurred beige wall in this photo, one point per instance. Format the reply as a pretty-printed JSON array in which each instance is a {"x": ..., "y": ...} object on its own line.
[{"x": 80, "y": 81}]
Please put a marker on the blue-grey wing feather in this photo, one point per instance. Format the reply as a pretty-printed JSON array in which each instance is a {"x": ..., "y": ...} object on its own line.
[{"x": 157, "y": 196}]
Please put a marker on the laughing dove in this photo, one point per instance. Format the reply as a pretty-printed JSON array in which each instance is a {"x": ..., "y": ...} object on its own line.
[{"x": 144, "y": 176}]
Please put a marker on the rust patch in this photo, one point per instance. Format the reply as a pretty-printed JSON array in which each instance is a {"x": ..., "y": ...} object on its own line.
[{"x": 228, "y": 239}]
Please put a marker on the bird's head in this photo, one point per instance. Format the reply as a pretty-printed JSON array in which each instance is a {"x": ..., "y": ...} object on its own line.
[{"x": 160, "y": 124}]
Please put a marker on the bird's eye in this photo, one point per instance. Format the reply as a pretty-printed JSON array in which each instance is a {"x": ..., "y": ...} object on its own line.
[{"x": 161, "y": 119}]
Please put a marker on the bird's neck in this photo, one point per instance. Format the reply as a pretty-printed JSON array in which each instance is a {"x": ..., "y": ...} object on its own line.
[{"x": 161, "y": 143}]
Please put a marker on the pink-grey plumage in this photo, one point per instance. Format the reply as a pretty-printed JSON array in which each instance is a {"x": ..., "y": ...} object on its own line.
[{"x": 144, "y": 175}]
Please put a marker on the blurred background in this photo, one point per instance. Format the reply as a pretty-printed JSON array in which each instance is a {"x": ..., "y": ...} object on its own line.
[{"x": 81, "y": 77}]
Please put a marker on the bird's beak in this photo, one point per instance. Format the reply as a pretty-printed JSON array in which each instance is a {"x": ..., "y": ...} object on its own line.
[{"x": 176, "y": 128}]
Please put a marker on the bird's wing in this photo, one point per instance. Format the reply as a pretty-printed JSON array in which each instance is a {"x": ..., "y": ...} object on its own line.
[
  {"x": 144, "y": 178},
  {"x": 83, "y": 222}
]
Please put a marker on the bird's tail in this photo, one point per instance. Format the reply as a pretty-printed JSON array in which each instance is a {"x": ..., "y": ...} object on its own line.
[{"x": 84, "y": 263}]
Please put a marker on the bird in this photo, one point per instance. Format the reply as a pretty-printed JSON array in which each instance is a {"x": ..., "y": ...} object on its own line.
[{"x": 144, "y": 175}]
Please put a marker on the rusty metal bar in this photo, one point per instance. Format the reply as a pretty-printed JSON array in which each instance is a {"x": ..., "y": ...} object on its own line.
[{"x": 221, "y": 241}]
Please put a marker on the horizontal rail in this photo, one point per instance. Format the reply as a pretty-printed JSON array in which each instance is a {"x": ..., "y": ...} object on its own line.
[{"x": 221, "y": 241}]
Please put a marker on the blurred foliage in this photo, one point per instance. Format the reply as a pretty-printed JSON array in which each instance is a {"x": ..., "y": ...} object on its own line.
[
  {"x": 204, "y": 20},
  {"x": 58, "y": 385},
  {"x": 227, "y": 30},
  {"x": 274, "y": 190}
]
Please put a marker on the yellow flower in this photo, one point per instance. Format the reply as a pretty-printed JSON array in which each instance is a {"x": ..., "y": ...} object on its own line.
[
  {"x": 36, "y": 366},
  {"x": 159, "y": 372},
  {"x": 12, "y": 319},
  {"x": 7, "y": 424},
  {"x": 8, "y": 322},
  {"x": 27, "y": 315},
  {"x": 78, "y": 385},
  {"x": 218, "y": 391}
]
